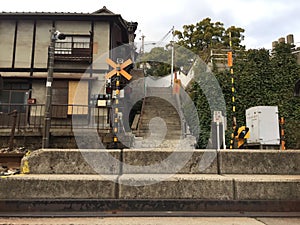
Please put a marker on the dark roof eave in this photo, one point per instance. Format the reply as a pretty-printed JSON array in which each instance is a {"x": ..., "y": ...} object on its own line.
[
  {"x": 117, "y": 18},
  {"x": 61, "y": 16}
]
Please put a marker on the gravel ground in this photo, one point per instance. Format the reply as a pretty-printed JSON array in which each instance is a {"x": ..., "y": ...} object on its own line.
[
  {"x": 4, "y": 169},
  {"x": 15, "y": 150}
]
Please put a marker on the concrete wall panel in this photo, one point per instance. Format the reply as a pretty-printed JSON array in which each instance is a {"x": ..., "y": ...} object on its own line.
[
  {"x": 24, "y": 44},
  {"x": 39, "y": 91},
  {"x": 41, "y": 44},
  {"x": 101, "y": 45},
  {"x": 7, "y": 34},
  {"x": 73, "y": 27}
]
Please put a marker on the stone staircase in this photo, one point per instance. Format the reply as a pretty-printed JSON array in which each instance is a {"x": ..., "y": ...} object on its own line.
[{"x": 160, "y": 124}]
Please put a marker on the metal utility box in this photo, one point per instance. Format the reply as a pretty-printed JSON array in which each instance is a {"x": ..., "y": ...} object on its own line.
[{"x": 263, "y": 125}]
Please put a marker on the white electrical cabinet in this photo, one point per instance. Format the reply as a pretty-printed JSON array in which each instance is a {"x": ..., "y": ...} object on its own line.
[{"x": 263, "y": 125}]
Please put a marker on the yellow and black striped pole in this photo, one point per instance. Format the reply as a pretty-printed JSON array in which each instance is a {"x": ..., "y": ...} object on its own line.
[
  {"x": 116, "y": 110},
  {"x": 233, "y": 98},
  {"x": 282, "y": 135}
]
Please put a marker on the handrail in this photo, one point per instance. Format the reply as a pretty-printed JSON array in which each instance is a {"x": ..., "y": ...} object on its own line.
[
  {"x": 31, "y": 116},
  {"x": 142, "y": 112}
]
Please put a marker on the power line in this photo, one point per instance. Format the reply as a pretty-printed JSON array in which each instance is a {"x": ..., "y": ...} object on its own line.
[{"x": 166, "y": 36}]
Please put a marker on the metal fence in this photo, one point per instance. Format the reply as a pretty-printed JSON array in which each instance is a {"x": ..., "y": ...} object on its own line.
[{"x": 62, "y": 116}]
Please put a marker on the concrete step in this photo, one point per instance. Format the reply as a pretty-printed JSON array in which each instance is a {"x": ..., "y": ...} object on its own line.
[
  {"x": 152, "y": 142},
  {"x": 109, "y": 161},
  {"x": 160, "y": 135},
  {"x": 155, "y": 102},
  {"x": 163, "y": 100},
  {"x": 168, "y": 136},
  {"x": 159, "y": 120},
  {"x": 59, "y": 186},
  {"x": 136, "y": 174},
  {"x": 171, "y": 119},
  {"x": 169, "y": 126},
  {"x": 162, "y": 108},
  {"x": 151, "y": 186},
  {"x": 210, "y": 187},
  {"x": 156, "y": 129},
  {"x": 153, "y": 91}
]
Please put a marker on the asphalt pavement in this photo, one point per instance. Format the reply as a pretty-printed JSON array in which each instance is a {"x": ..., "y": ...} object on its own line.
[{"x": 153, "y": 221}]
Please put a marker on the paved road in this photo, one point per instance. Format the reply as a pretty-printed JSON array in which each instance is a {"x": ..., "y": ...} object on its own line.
[{"x": 153, "y": 221}]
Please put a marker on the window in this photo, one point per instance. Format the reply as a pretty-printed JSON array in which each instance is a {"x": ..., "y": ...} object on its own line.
[
  {"x": 65, "y": 100},
  {"x": 59, "y": 99},
  {"x": 73, "y": 48},
  {"x": 13, "y": 96},
  {"x": 78, "y": 101}
]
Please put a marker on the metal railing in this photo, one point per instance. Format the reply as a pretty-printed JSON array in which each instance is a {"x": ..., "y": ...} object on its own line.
[
  {"x": 62, "y": 116},
  {"x": 72, "y": 51}
]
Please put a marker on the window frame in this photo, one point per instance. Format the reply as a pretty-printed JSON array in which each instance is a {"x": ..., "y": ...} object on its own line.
[
  {"x": 11, "y": 88},
  {"x": 72, "y": 50}
]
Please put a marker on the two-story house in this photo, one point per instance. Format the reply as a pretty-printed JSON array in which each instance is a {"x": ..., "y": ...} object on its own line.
[{"x": 79, "y": 68}]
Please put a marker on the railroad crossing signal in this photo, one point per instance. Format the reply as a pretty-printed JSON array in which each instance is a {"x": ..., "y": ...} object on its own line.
[{"x": 118, "y": 68}]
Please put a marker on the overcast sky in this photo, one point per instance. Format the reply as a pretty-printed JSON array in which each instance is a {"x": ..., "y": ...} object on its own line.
[{"x": 264, "y": 21}]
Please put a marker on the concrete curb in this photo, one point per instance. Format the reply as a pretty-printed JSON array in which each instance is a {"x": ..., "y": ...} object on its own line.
[
  {"x": 135, "y": 161},
  {"x": 236, "y": 175}
]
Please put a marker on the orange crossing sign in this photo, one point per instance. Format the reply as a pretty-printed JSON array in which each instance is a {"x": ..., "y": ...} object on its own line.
[
  {"x": 229, "y": 59},
  {"x": 118, "y": 68}
]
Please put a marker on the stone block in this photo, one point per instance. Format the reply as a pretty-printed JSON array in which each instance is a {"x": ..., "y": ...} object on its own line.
[
  {"x": 46, "y": 186},
  {"x": 179, "y": 186},
  {"x": 266, "y": 187},
  {"x": 259, "y": 162},
  {"x": 166, "y": 161},
  {"x": 73, "y": 161}
]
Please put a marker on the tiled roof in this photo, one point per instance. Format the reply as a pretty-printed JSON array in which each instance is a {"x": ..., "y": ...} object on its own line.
[
  {"x": 102, "y": 11},
  {"x": 102, "y": 14}
]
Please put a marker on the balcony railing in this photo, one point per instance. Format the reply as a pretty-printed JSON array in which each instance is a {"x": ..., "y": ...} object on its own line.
[
  {"x": 62, "y": 116},
  {"x": 73, "y": 51}
]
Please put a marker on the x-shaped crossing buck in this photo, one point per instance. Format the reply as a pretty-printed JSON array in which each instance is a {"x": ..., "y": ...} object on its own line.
[{"x": 118, "y": 69}]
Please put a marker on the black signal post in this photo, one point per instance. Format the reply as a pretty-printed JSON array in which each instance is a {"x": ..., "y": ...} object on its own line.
[{"x": 55, "y": 35}]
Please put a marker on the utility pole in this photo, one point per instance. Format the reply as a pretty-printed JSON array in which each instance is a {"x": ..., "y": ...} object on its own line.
[
  {"x": 131, "y": 29},
  {"x": 143, "y": 44},
  {"x": 54, "y": 35}
]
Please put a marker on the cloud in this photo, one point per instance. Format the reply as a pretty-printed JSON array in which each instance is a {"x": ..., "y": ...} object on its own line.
[
  {"x": 263, "y": 20},
  {"x": 269, "y": 28}
]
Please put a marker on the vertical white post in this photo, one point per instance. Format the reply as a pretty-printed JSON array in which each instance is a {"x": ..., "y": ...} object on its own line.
[
  {"x": 224, "y": 144},
  {"x": 172, "y": 57},
  {"x": 218, "y": 136}
]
